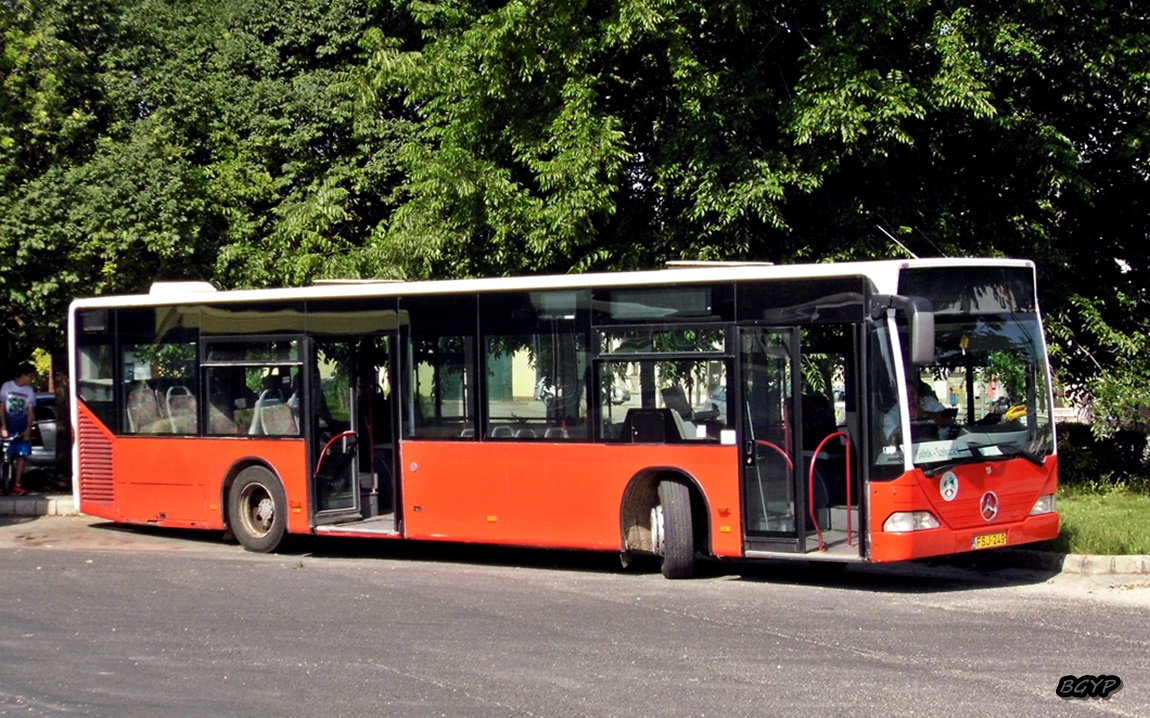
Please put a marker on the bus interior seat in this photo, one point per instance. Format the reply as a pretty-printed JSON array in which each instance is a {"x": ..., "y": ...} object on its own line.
[
  {"x": 525, "y": 434},
  {"x": 649, "y": 426},
  {"x": 674, "y": 398},
  {"x": 219, "y": 422},
  {"x": 467, "y": 433},
  {"x": 501, "y": 432},
  {"x": 686, "y": 429},
  {"x": 181, "y": 405},
  {"x": 273, "y": 417},
  {"x": 556, "y": 432},
  {"x": 143, "y": 409}
]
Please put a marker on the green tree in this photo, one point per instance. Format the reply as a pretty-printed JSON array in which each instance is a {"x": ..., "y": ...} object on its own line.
[
  {"x": 215, "y": 140},
  {"x": 50, "y": 118},
  {"x": 622, "y": 133}
]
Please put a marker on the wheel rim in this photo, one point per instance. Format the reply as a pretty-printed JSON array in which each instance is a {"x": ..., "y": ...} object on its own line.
[
  {"x": 258, "y": 510},
  {"x": 657, "y": 530}
]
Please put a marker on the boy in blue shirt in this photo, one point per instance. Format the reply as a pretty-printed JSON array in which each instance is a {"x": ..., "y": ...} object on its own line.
[{"x": 18, "y": 398}]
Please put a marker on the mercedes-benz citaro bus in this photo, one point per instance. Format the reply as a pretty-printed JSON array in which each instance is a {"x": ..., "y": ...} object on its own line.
[{"x": 845, "y": 412}]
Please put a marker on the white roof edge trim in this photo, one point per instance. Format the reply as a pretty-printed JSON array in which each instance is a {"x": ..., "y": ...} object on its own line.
[
  {"x": 704, "y": 263},
  {"x": 346, "y": 282},
  {"x": 180, "y": 288},
  {"x": 883, "y": 273}
]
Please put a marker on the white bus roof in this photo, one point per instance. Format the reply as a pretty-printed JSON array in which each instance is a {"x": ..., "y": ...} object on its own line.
[{"x": 883, "y": 273}]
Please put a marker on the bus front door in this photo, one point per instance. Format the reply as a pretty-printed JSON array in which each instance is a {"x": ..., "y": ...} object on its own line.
[
  {"x": 772, "y": 499},
  {"x": 799, "y": 494}
]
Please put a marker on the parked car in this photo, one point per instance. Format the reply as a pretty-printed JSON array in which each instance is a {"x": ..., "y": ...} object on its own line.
[
  {"x": 717, "y": 400},
  {"x": 51, "y": 442}
]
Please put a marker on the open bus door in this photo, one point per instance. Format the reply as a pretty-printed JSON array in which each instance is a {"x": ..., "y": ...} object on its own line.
[
  {"x": 351, "y": 445},
  {"x": 799, "y": 483},
  {"x": 771, "y": 497}
]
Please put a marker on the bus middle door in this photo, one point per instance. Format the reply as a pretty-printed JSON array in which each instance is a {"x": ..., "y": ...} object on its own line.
[{"x": 330, "y": 412}]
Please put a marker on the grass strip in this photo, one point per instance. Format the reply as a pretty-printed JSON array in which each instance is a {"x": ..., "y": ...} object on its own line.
[{"x": 1111, "y": 522}]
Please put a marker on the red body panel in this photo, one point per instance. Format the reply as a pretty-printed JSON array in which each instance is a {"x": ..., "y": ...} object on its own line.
[
  {"x": 553, "y": 495},
  {"x": 1016, "y": 482},
  {"x": 178, "y": 481},
  {"x": 556, "y": 495}
]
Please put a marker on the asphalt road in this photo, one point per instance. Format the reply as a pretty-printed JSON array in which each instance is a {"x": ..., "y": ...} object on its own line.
[{"x": 103, "y": 621}]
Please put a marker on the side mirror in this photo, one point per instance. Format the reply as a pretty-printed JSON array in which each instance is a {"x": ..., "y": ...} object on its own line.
[{"x": 920, "y": 320}]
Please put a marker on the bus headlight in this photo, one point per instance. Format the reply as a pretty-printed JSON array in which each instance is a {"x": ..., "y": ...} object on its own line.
[
  {"x": 910, "y": 521},
  {"x": 1044, "y": 505}
]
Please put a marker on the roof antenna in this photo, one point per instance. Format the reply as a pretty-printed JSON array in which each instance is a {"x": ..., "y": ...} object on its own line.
[{"x": 895, "y": 240}]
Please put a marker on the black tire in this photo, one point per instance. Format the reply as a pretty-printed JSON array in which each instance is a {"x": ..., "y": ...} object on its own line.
[
  {"x": 678, "y": 530},
  {"x": 257, "y": 510}
]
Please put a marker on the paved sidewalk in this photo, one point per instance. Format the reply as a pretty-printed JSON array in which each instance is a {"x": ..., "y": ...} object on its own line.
[{"x": 62, "y": 505}]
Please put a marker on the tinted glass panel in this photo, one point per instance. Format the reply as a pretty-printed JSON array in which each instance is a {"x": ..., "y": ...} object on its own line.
[
  {"x": 160, "y": 388},
  {"x": 691, "y": 395},
  {"x": 439, "y": 401},
  {"x": 95, "y": 380},
  {"x": 254, "y": 352},
  {"x": 972, "y": 290},
  {"x": 665, "y": 304},
  {"x": 536, "y": 365},
  {"x": 352, "y": 316},
  {"x": 660, "y": 341},
  {"x": 262, "y": 318},
  {"x": 805, "y": 301}
]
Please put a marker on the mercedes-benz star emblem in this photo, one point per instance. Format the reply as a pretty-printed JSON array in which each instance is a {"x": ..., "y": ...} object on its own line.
[{"x": 989, "y": 506}]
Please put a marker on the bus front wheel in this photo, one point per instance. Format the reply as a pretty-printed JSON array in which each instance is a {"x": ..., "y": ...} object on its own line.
[
  {"x": 674, "y": 530},
  {"x": 257, "y": 510}
]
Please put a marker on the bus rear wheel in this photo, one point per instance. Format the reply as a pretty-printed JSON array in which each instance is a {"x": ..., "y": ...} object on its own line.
[
  {"x": 257, "y": 510},
  {"x": 674, "y": 530}
]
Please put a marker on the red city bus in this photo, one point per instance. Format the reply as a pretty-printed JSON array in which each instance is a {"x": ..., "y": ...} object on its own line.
[{"x": 870, "y": 411}]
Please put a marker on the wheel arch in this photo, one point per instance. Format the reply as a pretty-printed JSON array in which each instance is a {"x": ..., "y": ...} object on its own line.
[
  {"x": 642, "y": 495},
  {"x": 230, "y": 477}
]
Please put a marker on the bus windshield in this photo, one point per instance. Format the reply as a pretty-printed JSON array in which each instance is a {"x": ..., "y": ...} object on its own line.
[{"x": 985, "y": 396}]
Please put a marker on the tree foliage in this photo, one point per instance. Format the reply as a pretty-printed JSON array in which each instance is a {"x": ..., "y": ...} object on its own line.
[
  {"x": 259, "y": 144},
  {"x": 183, "y": 139},
  {"x": 624, "y": 133}
]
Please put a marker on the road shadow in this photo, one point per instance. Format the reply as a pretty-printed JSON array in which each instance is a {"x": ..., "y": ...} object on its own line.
[
  {"x": 16, "y": 520},
  {"x": 963, "y": 572},
  {"x": 925, "y": 576},
  {"x": 195, "y": 536},
  {"x": 941, "y": 575}
]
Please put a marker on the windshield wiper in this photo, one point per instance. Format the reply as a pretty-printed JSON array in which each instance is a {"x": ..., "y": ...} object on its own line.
[
  {"x": 974, "y": 459},
  {"x": 1030, "y": 456},
  {"x": 977, "y": 456}
]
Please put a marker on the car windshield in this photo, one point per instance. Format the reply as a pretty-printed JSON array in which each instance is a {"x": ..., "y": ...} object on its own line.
[{"x": 985, "y": 396}]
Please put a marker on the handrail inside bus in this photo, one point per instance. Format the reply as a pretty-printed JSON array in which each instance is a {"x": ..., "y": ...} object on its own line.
[
  {"x": 811, "y": 487},
  {"x": 322, "y": 454},
  {"x": 769, "y": 445}
]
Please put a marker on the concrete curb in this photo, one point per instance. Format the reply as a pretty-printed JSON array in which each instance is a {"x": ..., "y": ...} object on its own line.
[
  {"x": 38, "y": 505},
  {"x": 1083, "y": 564},
  {"x": 1086, "y": 565}
]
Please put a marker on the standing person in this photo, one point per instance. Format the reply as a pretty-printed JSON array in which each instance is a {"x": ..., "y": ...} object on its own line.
[{"x": 18, "y": 398}]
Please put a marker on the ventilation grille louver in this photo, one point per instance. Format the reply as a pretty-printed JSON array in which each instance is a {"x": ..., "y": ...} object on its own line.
[{"x": 95, "y": 470}]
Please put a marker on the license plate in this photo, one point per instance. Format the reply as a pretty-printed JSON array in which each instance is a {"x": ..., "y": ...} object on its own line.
[{"x": 989, "y": 540}]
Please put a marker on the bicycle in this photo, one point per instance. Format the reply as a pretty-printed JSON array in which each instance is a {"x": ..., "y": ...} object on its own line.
[
  {"x": 7, "y": 467},
  {"x": 7, "y": 473}
]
